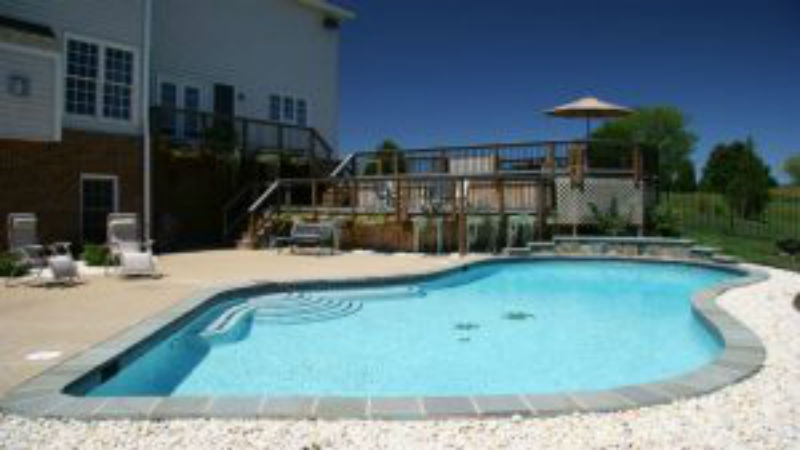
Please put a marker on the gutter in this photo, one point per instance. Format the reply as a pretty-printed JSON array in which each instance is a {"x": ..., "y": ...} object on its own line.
[{"x": 147, "y": 6}]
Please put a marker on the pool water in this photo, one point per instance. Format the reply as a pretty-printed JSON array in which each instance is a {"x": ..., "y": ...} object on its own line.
[{"x": 499, "y": 328}]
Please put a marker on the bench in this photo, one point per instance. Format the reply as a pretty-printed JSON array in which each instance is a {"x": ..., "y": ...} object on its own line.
[{"x": 320, "y": 235}]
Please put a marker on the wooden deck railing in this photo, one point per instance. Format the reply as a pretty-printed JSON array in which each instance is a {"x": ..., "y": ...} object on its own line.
[{"x": 247, "y": 136}]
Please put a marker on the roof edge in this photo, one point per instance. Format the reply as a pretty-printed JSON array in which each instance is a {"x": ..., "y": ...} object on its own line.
[{"x": 336, "y": 11}]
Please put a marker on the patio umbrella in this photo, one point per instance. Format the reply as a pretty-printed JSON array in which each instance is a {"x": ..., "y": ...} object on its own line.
[{"x": 589, "y": 108}]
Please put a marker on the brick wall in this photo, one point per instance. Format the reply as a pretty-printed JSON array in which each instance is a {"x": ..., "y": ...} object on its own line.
[{"x": 44, "y": 178}]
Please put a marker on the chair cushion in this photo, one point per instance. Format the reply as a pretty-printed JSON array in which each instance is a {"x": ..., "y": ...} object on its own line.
[
  {"x": 63, "y": 267},
  {"x": 137, "y": 263}
]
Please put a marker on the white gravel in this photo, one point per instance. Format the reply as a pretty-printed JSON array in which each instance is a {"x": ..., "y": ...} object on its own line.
[{"x": 762, "y": 412}]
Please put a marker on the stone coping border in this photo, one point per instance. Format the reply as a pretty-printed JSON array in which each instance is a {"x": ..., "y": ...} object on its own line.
[{"x": 48, "y": 394}]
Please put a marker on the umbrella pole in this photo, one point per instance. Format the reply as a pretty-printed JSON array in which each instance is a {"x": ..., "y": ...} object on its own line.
[{"x": 588, "y": 128}]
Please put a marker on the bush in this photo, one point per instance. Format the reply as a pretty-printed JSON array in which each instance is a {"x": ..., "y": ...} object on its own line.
[
  {"x": 8, "y": 265},
  {"x": 665, "y": 222},
  {"x": 610, "y": 222},
  {"x": 789, "y": 246},
  {"x": 95, "y": 255}
]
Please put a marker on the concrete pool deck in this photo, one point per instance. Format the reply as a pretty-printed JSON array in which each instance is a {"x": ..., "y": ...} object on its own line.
[{"x": 757, "y": 411}]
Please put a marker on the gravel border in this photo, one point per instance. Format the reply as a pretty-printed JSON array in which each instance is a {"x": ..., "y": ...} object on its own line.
[{"x": 44, "y": 395}]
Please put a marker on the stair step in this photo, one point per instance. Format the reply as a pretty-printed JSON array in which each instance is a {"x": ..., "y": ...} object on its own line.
[
  {"x": 724, "y": 259},
  {"x": 517, "y": 251},
  {"x": 703, "y": 252},
  {"x": 542, "y": 247}
]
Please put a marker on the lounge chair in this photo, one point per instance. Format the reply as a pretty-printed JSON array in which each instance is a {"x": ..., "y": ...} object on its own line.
[
  {"x": 134, "y": 257},
  {"x": 23, "y": 241},
  {"x": 320, "y": 235}
]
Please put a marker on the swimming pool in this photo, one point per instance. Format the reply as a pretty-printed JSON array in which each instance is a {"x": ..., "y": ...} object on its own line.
[
  {"x": 500, "y": 328},
  {"x": 528, "y": 336}
]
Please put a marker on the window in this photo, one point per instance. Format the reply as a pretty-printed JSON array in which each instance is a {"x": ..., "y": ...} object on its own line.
[
  {"x": 302, "y": 113},
  {"x": 169, "y": 100},
  {"x": 275, "y": 108},
  {"x": 118, "y": 84},
  {"x": 191, "y": 102},
  {"x": 82, "y": 78},
  {"x": 288, "y": 109},
  {"x": 99, "y": 80}
]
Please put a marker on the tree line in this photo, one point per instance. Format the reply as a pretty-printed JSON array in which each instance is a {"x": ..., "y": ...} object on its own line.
[{"x": 734, "y": 169}]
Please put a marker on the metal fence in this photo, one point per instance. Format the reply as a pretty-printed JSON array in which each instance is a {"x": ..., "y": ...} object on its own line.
[{"x": 706, "y": 211}]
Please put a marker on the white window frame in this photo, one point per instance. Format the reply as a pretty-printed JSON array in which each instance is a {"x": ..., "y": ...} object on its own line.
[
  {"x": 101, "y": 177},
  {"x": 295, "y": 98},
  {"x": 308, "y": 112},
  {"x": 102, "y": 44}
]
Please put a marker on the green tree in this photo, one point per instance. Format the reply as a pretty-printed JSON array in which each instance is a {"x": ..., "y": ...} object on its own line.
[
  {"x": 792, "y": 168},
  {"x": 386, "y": 154},
  {"x": 663, "y": 136},
  {"x": 685, "y": 180},
  {"x": 738, "y": 172}
]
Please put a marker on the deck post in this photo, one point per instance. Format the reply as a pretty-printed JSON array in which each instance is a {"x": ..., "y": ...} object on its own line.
[
  {"x": 540, "y": 208},
  {"x": 501, "y": 207},
  {"x": 637, "y": 165},
  {"x": 314, "y": 198},
  {"x": 462, "y": 218}
]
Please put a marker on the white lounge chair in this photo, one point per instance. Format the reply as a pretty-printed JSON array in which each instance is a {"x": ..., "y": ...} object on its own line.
[
  {"x": 23, "y": 241},
  {"x": 135, "y": 257}
]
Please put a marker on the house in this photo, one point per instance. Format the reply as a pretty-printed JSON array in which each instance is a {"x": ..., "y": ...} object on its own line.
[{"x": 79, "y": 80}]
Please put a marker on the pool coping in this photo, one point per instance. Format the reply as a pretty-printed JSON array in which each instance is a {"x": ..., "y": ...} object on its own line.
[{"x": 44, "y": 396}]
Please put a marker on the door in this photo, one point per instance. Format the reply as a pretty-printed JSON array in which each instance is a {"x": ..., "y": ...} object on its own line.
[
  {"x": 98, "y": 199},
  {"x": 223, "y": 100}
]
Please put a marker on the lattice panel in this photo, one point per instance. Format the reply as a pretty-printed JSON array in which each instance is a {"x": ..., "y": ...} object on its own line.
[{"x": 572, "y": 203}]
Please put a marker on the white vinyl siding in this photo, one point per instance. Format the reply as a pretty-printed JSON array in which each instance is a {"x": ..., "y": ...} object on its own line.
[
  {"x": 34, "y": 116},
  {"x": 117, "y": 22},
  {"x": 260, "y": 47}
]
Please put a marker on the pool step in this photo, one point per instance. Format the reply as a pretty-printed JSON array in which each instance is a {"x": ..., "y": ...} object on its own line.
[
  {"x": 700, "y": 251},
  {"x": 517, "y": 251},
  {"x": 390, "y": 293},
  {"x": 542, "y": 247},
  {"x": 724, "y": 259},
  {"x": 301, "y": 308}
]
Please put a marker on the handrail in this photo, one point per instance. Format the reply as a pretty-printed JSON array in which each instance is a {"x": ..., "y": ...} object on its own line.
[
  {"x": 164, "y": 115},
  {"x": 342, "y": 165},
  {"x": 263, "y": 197},
  {"x": 543, "y": 143},
  {"x": 228, "y": 223}
]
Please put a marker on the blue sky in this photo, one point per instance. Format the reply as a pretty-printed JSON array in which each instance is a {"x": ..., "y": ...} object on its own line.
[{"x": 431, "y": 72}]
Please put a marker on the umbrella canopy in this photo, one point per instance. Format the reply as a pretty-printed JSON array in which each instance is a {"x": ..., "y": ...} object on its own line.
[{"x": 589, "y": 108}]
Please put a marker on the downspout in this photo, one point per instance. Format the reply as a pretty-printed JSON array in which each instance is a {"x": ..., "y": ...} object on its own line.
[{"x": 146, "y": 150}]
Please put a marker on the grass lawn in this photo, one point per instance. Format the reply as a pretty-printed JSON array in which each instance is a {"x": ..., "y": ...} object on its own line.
[
  {"x": 752, "y": 249},
  {"x": 706, "y": 218}
]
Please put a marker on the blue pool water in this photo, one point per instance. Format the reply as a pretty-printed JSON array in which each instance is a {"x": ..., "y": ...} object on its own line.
[{"x": 501, "y": 328}]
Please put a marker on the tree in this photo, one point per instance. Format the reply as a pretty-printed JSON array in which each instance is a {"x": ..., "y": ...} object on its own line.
[
  {"x": 738, "y": 172},
  {"x": 383, "y": 161},
  {"x": 685, "y": 180},
  {"x": 661, "y": 133},
  {"x": 792, "y": 168}
]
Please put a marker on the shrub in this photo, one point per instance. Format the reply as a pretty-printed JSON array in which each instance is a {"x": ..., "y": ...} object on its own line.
[
  {"x": 95, "y": 255},
  {"x": 282, "y": 226},
  {"x": 609, "y": 222},
  {"x": 665, "y": 222},
  {"x": 8, "y": 265},
  {"x": 790, "y": 246}
]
